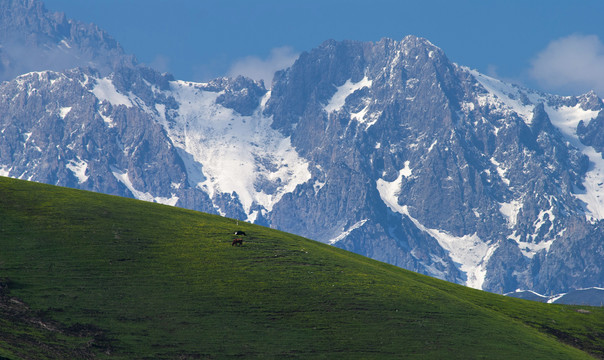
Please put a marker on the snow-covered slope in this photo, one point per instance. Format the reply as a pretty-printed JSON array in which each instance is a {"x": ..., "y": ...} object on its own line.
[
  {"x": 241, "y": 156},
  {"x": 566, "y": 118}
]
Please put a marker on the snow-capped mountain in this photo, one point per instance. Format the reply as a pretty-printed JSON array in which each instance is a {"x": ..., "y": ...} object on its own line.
[
  {"x": 592, "y": 296},
  {"x": 386, "y": 149},
  {"x": 496, "y": 174}
]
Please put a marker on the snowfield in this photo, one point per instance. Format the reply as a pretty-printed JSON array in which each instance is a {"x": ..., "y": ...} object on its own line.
[{"x": 229, "y": 153}]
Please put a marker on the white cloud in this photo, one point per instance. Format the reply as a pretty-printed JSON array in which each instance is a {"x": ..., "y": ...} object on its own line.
[
  {"x": 264, "y": 69},
  {"x": 18, "y": 58},
  {"x": 492, "y": 71},
  {"x": 161, "y": 63},
  {"x": 572, "y": 64}
]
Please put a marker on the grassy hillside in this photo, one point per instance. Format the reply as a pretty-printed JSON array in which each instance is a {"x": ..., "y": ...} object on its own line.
[{"x": 86, "y": 275}]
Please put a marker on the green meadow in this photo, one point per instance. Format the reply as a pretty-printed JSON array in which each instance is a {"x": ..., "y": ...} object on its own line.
[{"x": 86, "y": 275}]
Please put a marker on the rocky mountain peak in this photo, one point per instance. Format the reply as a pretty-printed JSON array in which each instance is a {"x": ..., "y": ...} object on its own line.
[
  {"x": 29, "y": 23},
  {"x": 33, "y": 38},
  {"x": 590, "y": 101},
  {"x": 387, "y": 72},
  {"x": 416, "y": 43}
]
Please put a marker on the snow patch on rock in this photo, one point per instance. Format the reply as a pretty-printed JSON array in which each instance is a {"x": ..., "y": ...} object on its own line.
[
  {"x": 338, "y": 99},
  {"x": 347, "y": 232},
  {"x": 78, "y": 168},
  {"x": 104, "y": 90},
  {"x": 5, "y": 170},
  {"x": 504, "y": 97},
  {"x": 510, "y": 210},
  {"x": 122, "y": 176},
  {"x": 64, "y": 111}
]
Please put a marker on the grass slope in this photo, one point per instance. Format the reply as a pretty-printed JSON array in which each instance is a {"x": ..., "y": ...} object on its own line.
[{"x": 88, "y": 275}]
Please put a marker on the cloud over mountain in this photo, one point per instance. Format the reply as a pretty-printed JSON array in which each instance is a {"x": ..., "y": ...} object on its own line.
[
  {"x": 572, "y": 64},
  {"x": 264, "y": 69}
]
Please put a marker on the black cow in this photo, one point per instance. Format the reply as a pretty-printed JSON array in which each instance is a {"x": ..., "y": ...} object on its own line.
[{"x": 240, "y": 233}]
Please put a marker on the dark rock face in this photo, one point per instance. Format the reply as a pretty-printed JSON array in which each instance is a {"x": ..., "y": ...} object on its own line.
[
  {"x": 56, "y": 131},
  {"x": 242, "y": 95},
  {"x": 591, "y": 133},
  {"x": 386, "y": 149}
]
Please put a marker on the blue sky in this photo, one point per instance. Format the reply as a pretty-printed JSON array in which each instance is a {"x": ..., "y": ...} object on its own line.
[{"x": 555, "y": 46}]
